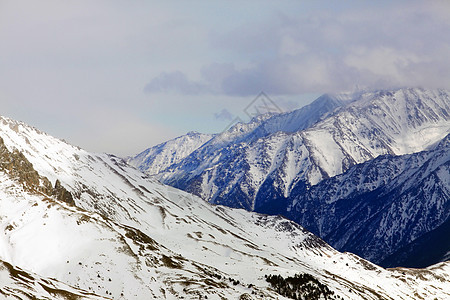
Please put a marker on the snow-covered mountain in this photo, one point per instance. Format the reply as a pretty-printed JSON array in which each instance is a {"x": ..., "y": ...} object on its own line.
[
  {"x": 156, "y": 159},
  {"x": 219, "y": 171},
  {"x": 251, "y": 165},
  {"x": 122, "y": 235},
  {"x": 378, "y": 207}
]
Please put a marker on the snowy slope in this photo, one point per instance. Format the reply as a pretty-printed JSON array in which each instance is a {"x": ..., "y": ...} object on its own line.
[
  {"x": 19, "y": 284},
  {"x": 156, "y": 159},
  {"x": 129, "y": 237},
  {"x": 253, "y": 165},
  {"x": 380, "y": 206}
]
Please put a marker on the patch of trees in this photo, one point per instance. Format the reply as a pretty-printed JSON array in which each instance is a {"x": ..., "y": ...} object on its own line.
[{"x": 299, "y": 287}]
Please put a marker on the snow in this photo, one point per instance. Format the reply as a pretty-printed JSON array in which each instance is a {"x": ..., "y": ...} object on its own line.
[{"x": 16, "y": 283}]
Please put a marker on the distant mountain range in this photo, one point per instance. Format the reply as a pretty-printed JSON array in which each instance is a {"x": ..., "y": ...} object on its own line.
[
  {"x": 274, "y": 163},
  {"x": 80, "y": 225}
]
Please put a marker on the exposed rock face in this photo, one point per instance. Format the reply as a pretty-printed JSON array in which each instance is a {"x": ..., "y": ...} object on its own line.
[
  {"x": 17, "y": 166},
  {"x": 62, "y": 194}
]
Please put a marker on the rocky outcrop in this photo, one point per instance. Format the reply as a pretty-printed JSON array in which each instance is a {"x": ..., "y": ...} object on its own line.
[
  {"x": 60, "y": 193},
  {"x": 17, "y": 166}
]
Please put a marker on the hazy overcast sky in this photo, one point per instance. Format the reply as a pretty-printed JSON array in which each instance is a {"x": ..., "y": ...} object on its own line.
[{"x": 120, "y": 76}]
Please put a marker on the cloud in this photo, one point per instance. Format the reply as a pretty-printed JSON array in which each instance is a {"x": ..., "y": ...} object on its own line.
[
  {"x": 339, "y": 51},
  {"x": 174, "y": 81},
  {"x": 61, "y": 60},
  {"x": 382, "y": 46},
  {"x": 223, "y": 115}
]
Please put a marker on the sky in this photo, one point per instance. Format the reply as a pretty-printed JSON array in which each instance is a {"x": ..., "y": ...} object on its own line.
[{"x": 121, "y": 76}]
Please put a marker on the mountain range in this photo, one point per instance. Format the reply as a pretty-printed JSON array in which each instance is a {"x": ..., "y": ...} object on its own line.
[
  {"x": 286, "y": 163},
  {"x": 80, "y": 225}
]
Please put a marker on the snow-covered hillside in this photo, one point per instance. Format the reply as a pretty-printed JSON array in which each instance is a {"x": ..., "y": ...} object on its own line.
[
  {"x": 16, "y": 283},
  {"x": 129, "y": 237}
]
